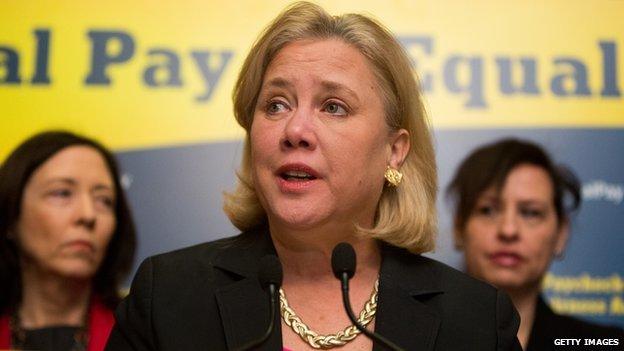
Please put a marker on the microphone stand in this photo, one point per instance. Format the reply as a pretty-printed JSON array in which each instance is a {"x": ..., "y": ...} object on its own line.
[
  {"x": 343, "y": 263},
  {"x": 344, "y": 280},
  {"x": 270, "y": 276}
]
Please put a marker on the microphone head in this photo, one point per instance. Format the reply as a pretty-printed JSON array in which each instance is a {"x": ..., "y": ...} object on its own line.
[
  {"x": 343, "y": 260},
  {"x": 270, "y": 271}
]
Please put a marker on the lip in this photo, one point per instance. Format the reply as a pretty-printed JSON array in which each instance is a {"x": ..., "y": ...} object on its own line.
[
  {"x": 508, "y": 259},
  {"x": 80, "y": 245},
  {"x": 298, "y": 186}
]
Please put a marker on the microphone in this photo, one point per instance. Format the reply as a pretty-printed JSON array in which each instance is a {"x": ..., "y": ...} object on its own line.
[
  {"x": 343, "y": 265},
  {"x": 270, "y": 276}
]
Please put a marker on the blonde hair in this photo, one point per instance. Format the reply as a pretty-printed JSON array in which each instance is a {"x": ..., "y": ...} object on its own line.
[{"x": 406, "y": 216}]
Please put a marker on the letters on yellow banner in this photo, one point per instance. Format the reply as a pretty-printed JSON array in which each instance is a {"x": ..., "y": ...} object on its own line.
[{"x": 163, "y": 70}]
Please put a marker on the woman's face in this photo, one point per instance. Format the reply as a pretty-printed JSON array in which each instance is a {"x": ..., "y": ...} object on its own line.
[
  {"x": 67, "y": 214},
  {"x": 510, "y": 239},
  {"x": 319, "y": 140}
]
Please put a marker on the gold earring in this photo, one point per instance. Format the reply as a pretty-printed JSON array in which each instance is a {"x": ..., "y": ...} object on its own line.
[{"x": 393, "y": 176}]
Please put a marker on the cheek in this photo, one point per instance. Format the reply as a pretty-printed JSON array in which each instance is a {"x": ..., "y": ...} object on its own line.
[
  {"x": 476, "y": 237},
  {"x": 476, "y": 245},
  {"x": 543, "y": 245},
  {"x": 105, "y": 230},
  {"x": 40, "y": 230},
  {"x": 357, "y": 174},
  {"x": 361, "y": 156},
  {"x": 263, "y": 142},
  {"x": 107, "y": 225}
]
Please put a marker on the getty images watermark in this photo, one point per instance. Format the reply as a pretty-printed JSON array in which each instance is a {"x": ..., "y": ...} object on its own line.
[{"x": 587, "y": 342}]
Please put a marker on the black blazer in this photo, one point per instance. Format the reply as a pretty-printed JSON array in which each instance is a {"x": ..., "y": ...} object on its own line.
[
  {"x": 208, "y": 297},
  {"x": 549, "y": 326}
]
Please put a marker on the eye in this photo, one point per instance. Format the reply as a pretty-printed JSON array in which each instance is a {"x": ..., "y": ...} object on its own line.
[
  {"x": 61, "y": 193},
  {"x": 335, "y": 108},
  {"x": 531, "y": 213},
  {"x": 59, "y": 196},
  {"x": 486, "y": 210},
  {"x": 105, "y": 202},
  {"x": 274, "y": 107}
]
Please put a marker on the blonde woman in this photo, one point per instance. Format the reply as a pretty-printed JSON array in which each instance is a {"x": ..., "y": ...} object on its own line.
[{"x": 337, "y": 150}]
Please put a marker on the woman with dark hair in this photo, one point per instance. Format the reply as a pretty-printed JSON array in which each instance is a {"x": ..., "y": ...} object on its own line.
[
  {"x": 512, "y": 208},
  {"x": 66, "y": 242}
]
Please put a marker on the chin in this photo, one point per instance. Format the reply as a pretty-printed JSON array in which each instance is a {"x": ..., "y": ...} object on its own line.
[
  {"x": 300, "y": 214},
  {"x": 507, "y": 281},
  {"x": 300, "y": 221},
  {"x": 77, "y": 270}
]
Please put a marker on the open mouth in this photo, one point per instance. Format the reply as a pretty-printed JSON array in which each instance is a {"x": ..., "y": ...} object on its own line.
[{"x": 296, "y": 176}]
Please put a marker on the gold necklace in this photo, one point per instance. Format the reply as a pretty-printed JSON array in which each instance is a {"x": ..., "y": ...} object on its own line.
[{"x": 329, "y": 341}]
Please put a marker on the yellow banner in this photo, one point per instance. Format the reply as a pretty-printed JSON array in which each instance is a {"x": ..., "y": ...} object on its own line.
[{"x": 140, "y": 74}]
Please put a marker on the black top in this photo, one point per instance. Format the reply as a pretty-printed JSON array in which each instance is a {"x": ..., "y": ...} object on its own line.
[
  {"x": 549, "y": 326},
  {"x": 50, "y": 339},
  {"x": 208, "y": 297}
]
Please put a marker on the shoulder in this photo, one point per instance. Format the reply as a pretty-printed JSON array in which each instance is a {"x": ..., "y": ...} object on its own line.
[
  {"x": 5, "y": 332},
  {"x": 213, "y": 263},
  {"x": 462, "y": 293},
  {"x": 549, "y": 326},
  {"x": 590, "y": 330},
  {"x": 168, "y": 294},
  {"x": 439, "y": 275},
  {"x": 200, "y": 254},
  {"x": 470, "y": 311},
  {"x": 569, "y": 325},
  {"x": 450, "y": 292}
]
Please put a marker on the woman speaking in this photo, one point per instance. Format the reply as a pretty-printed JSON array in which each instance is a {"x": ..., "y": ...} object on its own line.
[{"x": 337, "y": 149}]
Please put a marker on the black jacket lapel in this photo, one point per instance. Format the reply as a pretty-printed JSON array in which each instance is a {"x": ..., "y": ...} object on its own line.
[
  {"x": 402, "y": 317},
  {"x": 244, "y": 309},
  {"x": 244, "y": 305}
]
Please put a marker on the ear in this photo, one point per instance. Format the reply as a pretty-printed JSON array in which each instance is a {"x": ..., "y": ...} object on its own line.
[
  {"x": 399, "y": 148},
  {"x": 458, "y": 235},
  {"x": 563, "y": 233},
  {"x": 11, "y": 235},
  {"x": 458, "y": 239}
]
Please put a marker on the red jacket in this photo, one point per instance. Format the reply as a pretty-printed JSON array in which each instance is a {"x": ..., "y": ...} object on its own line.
[{"x": 101, "y": 322}]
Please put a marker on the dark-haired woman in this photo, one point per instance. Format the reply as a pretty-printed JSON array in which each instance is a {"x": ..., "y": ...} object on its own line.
[
  {"x": 511, "y": 220},
  {"x": 66, "y": 241}
]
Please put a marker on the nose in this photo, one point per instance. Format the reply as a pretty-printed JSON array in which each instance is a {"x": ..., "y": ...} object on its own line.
[
  {"x": 299, "y": 131},
  {"x": 508, "y": 230},
  {"x": 86, "y": 212}
]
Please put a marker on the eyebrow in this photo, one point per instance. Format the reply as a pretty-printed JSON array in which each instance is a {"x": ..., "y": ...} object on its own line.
[
  {"x": 524, "y": 202},
  {"x": 70, "y": 181},
  {"x": 533, "y": 202},
  {"x": 329, "y": 86},
  {"x": 333, "y": 87},
  {"x": 488, "y": 196},
  {"x": 278, "y": 83}
]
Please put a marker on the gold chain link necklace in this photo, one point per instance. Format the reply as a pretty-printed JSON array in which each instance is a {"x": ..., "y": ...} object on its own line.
[{"x": 329, "y": 341}]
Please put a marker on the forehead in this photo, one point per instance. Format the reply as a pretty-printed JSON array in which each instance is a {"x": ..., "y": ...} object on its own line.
[
  {"x": 74, "y": 162},
  {"x": 528, "y": 181},
  {"x": 330, "y": 60}
]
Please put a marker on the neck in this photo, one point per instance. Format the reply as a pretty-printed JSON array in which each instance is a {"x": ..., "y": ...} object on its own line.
[
  {"x": 525, "y": 301},
  {"x": 306, "y": 254},
  {"x": 49, "y": 300}
]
